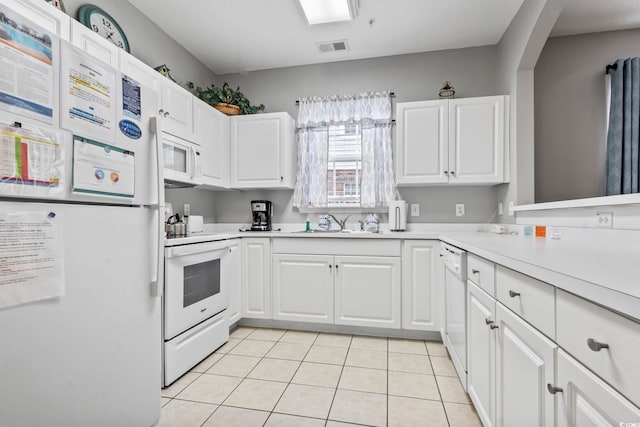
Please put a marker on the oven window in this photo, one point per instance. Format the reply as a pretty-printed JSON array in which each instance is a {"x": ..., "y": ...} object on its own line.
[{"x": 201, "y": 281}]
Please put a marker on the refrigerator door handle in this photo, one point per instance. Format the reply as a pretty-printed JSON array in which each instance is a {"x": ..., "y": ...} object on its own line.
[{"x": 157, "y": 285}]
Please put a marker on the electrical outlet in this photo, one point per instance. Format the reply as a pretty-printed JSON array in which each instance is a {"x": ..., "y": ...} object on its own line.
[
  {"x": 511, "y": 206},
  {"x": 415, "y": 209},
  {"x": 187, "y": 209},
  {"x": 460, "y": 209},
  {"x": 604, "y": 219},
  {"x": 500, "y": 209}
]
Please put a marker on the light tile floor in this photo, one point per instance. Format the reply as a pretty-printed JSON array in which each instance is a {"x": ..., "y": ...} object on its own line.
[{"x": 271, "y": 377}]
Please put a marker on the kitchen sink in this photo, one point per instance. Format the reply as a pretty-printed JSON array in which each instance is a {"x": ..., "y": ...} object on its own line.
[{"x": 334, "y": 231}]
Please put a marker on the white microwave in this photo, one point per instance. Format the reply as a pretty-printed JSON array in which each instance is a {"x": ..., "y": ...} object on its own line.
[{"x": 181, "y": 162}]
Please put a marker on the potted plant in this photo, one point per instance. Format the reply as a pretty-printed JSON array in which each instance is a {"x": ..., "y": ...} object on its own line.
[{"x": 227, "y": 100}]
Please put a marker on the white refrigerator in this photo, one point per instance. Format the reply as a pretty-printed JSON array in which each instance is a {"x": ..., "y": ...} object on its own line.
[{"x": 91, "y": 356}]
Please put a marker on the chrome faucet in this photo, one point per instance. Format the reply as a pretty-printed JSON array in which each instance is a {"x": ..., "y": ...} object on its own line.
[{"x": 342, "y": 223}]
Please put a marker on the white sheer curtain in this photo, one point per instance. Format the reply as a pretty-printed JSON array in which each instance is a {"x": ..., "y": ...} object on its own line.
[{"x": 315, "y": 115}]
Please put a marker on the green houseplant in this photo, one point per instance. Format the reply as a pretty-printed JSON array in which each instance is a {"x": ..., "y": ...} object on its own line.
[{"x": 227, "y": 100}]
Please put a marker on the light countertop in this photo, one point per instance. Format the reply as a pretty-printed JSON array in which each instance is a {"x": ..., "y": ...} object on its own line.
[{"x": 600, "y": 265}]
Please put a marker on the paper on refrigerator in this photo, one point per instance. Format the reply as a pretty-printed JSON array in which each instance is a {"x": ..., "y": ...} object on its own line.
[{"x": 31, "y": 257}]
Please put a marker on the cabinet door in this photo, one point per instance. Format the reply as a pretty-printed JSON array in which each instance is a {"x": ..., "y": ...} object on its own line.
[
  {"x": 481, "y": 352},
  {"x": 420, "y": 293},
  {"x": 211, "y": 130},
  {"x": 587, "y": 401},
  {"x": 303, "y": 288},
  {"x": 367, "y": 291},
  {"x": 476, "y": 140},
  {"x": 256, "y": 278},
  {"x": 177, "y": 110},
  {"x": 94, "y": 44},
  {"x": 262, "y": 151},
  {"x": 45, "y": 15},
  {"x": 234, "y": 281},
  {"x": 421, "y": 142},
  {"x": 524, "y": 366}
]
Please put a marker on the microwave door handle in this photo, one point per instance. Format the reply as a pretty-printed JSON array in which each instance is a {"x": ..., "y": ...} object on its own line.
[
  {"x": 194, "y": 162},
  {"x": 157, "y": 284}
]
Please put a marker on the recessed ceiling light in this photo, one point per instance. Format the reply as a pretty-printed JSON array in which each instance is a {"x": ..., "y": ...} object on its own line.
[{"x": 326, "y": 11}]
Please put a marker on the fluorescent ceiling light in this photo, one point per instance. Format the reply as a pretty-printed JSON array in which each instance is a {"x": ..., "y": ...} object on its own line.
[{"x": 325, "y": 11}]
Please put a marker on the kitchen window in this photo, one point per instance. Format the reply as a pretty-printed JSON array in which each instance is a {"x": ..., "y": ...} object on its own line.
[
  {"x": 344, "y": 153},
  {"x": 344, "y": 166}
]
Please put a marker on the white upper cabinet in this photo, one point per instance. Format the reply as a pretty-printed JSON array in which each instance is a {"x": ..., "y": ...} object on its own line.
[
  {"x": 476, "y": 140},
  {"x": 94, "y": 44},
  {"x": 211, "y": 130},
  {"x": 138, "y": 70},
  {"x": 43, "y": 14},
  {"x": 458, "y": 141},
  {"x": 263, "y": 154},
  {"x": 176, "y": 110},
  {"x": 422, "y": 138}
]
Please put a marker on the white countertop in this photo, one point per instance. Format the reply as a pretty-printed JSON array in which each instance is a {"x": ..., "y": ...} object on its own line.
[{"x": 600, "y": 265}]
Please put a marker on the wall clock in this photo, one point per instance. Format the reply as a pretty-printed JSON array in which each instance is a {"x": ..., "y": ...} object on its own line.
[{"x": 102, "y": 23}]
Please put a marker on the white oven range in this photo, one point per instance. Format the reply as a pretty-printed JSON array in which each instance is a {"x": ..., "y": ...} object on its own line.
[{"x": 194, "y": 302}]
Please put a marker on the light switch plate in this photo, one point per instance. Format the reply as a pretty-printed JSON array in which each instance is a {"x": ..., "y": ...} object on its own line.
[
  {"x": 415, "y": 209},
  {"x": 187, "y": 209}
]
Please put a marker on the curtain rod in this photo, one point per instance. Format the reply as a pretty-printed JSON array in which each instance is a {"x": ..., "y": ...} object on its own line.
[
  {"x": 391, "y": 94},
  {"x": 610, "y": 67}
]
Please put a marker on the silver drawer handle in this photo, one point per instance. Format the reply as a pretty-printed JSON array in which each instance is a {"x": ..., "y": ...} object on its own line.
[
  {"x": 488, "y": 322},
  {"x": 475, "y": 271},
  {"x": 553, "y": 389},
  {"x": 595, "y": 345},
  {"x": 494, "y": 326},
  {"x": 514, "y": 294}
]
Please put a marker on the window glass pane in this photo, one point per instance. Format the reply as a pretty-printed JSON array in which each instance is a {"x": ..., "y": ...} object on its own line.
[{"x": 345, "y": 165}]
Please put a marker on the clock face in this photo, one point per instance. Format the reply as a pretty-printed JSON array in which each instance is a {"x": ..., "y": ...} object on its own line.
[
  {"x": 106, "y": 28},
  {"x": 100, "y": 22}
]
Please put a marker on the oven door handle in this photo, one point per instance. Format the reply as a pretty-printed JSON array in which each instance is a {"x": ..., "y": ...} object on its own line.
[{"x": 177, "y": 251}]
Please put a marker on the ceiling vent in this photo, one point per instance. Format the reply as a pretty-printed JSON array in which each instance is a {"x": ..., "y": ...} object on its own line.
[{"x": 333, "y": 46}]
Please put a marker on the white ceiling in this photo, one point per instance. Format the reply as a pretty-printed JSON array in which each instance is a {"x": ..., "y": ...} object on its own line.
[
  {"x": 231, "y": 36},
  {"x": 593, "y": 16},
  {"x": 234, "y": 36}
]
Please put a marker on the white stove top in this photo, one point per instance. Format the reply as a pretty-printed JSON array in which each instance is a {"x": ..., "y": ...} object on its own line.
[{"x": 196, "y": 238}]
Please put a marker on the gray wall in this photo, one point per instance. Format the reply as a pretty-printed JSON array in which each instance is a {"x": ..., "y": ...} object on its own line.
[
  {"x": 519, "y": 50},
  {"x": 202, "y": 202},
  {"x": 570, "y": 111},
  {"x": 412, "y": 77},
  {"x": 148, "y": 42}
]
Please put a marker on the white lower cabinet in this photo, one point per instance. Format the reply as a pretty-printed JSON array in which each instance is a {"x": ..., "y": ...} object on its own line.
[
  {"x": 524, "y": 367},
  {"x": 256, "y": 277},
  {"x": 234, "y": 280},
  {"x": 367, "y": 291},
  {"x": 303, "y": 288},
  {"x": 481, "y": 352},
  {"x": 421, "y": 293},
  {"x": 585, "y": 400}
]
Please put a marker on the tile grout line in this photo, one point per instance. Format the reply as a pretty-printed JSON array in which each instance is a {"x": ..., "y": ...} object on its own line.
[
  {"x": 339, "y": 378},
  {"x": 438, "y": 387}
]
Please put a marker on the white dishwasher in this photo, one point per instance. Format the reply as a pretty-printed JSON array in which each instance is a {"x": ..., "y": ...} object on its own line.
[{"x": 455, "y": 262}]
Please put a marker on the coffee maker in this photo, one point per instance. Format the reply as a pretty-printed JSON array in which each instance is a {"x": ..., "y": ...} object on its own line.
[{"x": 261, "y": 212}]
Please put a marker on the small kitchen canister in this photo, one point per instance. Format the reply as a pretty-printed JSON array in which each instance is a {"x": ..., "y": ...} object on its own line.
[{"x": 372, "y": 223}]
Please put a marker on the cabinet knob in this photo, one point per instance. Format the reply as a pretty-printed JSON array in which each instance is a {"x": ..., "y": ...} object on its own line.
[
  {"x": 595, "y": 345},
  {"x": 446, "y": 172},
  {"x": 281, "y": 178},
  {"x": 514, "y": 294},
  {"x": 493, "y": 326},
  {"x": 453, "y": 172},
  {"x": 488, "y": 321},
  {"x": 336, "y": 266},
  {"x": 553, "y": 389},
  {"x": 161, "y": 112},
  {"x": 330, "y": 266},
  {"x": 166, "y": 114},
  {"x": 475, "y": 271}
]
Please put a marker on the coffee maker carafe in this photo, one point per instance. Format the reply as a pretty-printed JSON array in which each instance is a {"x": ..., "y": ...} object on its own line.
[{"x": 261, "y": 212}]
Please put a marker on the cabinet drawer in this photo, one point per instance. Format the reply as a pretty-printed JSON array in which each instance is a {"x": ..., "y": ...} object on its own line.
[
  {"x": 580, "y": 321},
  {"x": 482, "y": 273},
  {"x": 529, "y": 298}
]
